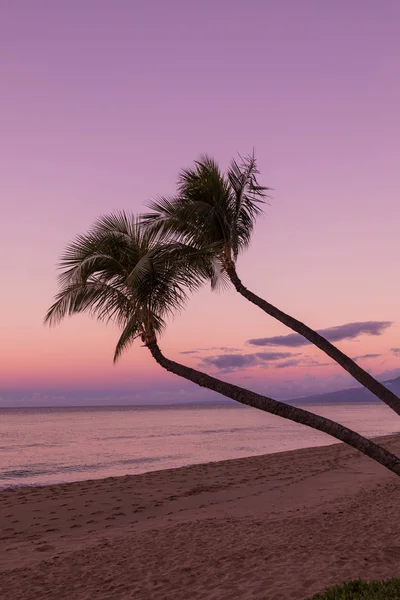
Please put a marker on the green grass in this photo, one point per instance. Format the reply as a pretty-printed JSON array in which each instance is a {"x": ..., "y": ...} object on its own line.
[{"x": 363, "y": 590}]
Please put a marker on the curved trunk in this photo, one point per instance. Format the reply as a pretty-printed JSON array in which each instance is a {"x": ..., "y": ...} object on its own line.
[
  {"x": 374, "y": 386},
  {"x": 281, "y": 409}
]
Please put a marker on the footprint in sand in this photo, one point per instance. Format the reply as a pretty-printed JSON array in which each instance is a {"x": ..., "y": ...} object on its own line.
[{"x": 44, "y": 548}]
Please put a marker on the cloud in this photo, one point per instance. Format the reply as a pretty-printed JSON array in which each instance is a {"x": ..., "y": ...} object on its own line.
[
  {"x": 395, "y": 351},
  {"x": 333, "y": 334},
  {"x": 232, "y": 362},
  {"x": 262, "y": 356},
  {"x": 302, "y": 362},
  {"x": 311, "y": 362},
  {"x": 225, "y": 349},
  {"x": 367, "y": 356},
  {"x": 229, "y": 361},
  {"x": 239, "y": 361},
  {"x": 292, "y": 362},
  {"x": 219, "y": 348}
]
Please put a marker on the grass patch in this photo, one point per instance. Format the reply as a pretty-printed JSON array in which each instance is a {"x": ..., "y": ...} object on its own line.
[{"x": 362, "y": 590}]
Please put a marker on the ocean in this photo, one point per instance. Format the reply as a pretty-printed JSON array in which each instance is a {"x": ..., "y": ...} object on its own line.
[{"x": 52, "y": 445}]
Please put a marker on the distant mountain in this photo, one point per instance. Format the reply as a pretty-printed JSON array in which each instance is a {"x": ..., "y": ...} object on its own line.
[{"x": 356, "y": 395}]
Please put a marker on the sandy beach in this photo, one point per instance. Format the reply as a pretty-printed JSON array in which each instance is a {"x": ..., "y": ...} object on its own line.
[{"x": 275, "y": 527}]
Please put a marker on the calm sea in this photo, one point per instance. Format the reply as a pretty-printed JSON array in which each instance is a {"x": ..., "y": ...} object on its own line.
[{"x": 50, "y": 445}]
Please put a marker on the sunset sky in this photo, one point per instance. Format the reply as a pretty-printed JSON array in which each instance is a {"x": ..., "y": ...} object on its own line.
[{"x": 103, "y": 102}]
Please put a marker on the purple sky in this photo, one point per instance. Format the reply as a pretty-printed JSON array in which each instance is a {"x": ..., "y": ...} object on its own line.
[{"x": 103, "y": 102}]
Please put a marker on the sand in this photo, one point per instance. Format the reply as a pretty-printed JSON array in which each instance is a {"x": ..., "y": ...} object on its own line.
[{"x": 276, "y": 527}]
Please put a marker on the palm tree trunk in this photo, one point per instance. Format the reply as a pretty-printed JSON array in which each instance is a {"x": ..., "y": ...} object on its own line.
[
  {"x": 379, "y": 454},
  {"x": 374, "y": 386}
]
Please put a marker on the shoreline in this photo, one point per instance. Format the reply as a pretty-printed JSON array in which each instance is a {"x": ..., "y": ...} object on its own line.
[
  {"x": 378, "y": 439},
  {"x": 279, "y": 526}
]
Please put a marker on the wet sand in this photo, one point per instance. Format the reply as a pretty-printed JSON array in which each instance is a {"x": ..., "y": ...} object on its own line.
[{"x": 276, "y": 527}]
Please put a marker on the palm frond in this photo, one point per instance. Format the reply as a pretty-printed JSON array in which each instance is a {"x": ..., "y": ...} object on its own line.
[
  {"x": 247, "y": 198},
  {"x": 204, "y": 181},
  {"x": 130, "y": 332},
  {"x": 105, "y": 302},
  {"x": 185, "y": 220},
  {"x": 141, "y": 272},
  {"x": 219, "y": 278}
]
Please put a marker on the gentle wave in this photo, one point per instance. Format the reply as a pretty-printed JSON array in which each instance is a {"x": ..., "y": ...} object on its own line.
[
  {"x": 23, "y": 446},
  {"x": 186, "y": 433},
  {"x": 35, "y": 470}
]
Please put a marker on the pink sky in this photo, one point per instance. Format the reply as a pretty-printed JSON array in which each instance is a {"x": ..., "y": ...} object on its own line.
[{"x": 103, "y": 102}]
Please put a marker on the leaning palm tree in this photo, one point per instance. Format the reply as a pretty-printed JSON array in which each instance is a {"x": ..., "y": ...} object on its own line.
[
  {"x": 216, "y": 213},
  {"x": 121, "y": 272}
]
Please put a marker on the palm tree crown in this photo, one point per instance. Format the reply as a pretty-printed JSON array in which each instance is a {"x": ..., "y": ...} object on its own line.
[
  {"x": 121, "y": 272},
  {"x": 212, "y": 211}
]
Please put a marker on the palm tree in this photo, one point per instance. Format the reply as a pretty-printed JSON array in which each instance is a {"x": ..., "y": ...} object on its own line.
[
  {"x": 121, "y": 272},
  {"x": 216, "y": 213}
]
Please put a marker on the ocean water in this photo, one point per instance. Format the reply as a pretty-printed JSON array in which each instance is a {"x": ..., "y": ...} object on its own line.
[{"x": 51, "y": 445}]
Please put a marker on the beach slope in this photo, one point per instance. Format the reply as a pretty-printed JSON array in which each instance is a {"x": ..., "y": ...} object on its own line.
[{"x": 276, "y": 527}]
